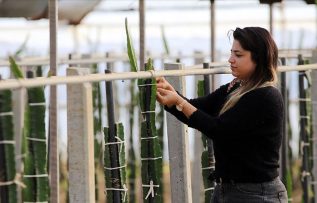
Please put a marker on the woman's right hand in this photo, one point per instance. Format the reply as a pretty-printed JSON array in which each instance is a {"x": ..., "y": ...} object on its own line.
[
  {"x": 163, "y": 84},
  {"x": 166, "y": 94}
]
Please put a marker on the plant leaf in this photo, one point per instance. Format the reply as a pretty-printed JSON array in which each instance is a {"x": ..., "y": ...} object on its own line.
[
  {"x": 131, "y": 53},
  {"x": 22, "y": 48},
  {"x": 16, "y": 70},
  {"x": 167, "y": 51}
]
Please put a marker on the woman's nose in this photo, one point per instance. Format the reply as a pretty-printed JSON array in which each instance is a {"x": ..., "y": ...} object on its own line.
[{"x": 231, "y": 60}]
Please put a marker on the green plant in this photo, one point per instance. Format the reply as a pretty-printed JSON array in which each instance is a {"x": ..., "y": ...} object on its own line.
[
  {"x": 34, "y": 141},
  {"x": 151, "y": 151},
  {"x": 109, "y": 179},
  {"x": 7, "y": 147}
]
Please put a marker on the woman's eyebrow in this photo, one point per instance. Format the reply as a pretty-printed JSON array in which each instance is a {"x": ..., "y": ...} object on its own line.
[{"x": 236, "y": 51}]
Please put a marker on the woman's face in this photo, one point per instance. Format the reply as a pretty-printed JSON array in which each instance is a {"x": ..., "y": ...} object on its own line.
[{"x": 240, "y": 61}]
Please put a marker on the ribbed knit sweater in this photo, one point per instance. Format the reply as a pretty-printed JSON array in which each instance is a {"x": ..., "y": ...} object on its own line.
[{"x": 247, "y": 137}]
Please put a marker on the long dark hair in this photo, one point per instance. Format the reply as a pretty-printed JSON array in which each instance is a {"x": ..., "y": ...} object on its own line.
[{"x": 264, "y": 54}]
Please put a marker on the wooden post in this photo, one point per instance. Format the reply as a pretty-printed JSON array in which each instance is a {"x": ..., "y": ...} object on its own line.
[
  {"x": 80, "y": 139},
  {"x": 178, "y": 148},
  {"x": 314, "y": 123}
]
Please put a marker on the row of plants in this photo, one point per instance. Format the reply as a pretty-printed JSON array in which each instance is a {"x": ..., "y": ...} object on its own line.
[{"x": 34, "y": 177}]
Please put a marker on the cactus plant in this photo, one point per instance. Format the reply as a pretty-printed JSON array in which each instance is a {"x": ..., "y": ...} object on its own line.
[
  {"x": 121, "y": 166},
  {"x": 34, "y": 141},
  {"x": 7, "y": 147},
  {"x": 151, "y": 152},
  {"x": 37, "y": 140}
]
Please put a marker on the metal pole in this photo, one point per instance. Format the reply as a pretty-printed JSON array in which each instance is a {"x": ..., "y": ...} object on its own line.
[
  {"x": 53, "y": 137},
  {"x": 142, "y": 33},
  {"x": 212, "y": 41},
  {"x": 212, "y": 31},
  {"x": 113, "y": 149},
  {"x": 271, "y": 18}
]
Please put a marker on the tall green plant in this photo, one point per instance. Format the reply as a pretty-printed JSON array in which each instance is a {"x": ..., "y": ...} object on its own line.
[
  {"x": 132, "y": 165},
  {"x": 7, "y": 147},
  {"x": 37, "y": 140},
  {"x": 151, "y": 152},
  {"x": 165, "y": 43},
  {"x": 34, "y": 141},
  {"x": 29, "y": 192},
  {"x": 107, "y": 160},
  {"x": 131, "y": 52}
]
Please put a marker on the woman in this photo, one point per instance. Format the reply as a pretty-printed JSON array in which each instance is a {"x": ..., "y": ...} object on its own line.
[{"x": 244, "y": 120}]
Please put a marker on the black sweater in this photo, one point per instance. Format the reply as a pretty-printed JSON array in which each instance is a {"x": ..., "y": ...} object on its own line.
[{"x": 247, "y": 137}]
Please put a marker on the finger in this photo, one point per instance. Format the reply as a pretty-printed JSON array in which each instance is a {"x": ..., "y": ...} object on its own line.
[
  {"x": 159, "y": 79},
  {"x": 163, "y": 91},
  {"x": 160, "y": 85},
  {"x": 159, "y": 97}
]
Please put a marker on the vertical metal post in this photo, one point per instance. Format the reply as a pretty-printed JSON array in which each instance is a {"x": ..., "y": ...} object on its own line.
[
  {"x": 53, "y": 137},
  {"x": 178, "y": 148},
  {"x": 212, "y": 30},
  {"x": 113, "y": 149},
  {"x": 271, "y": 18},
  {"x": 212, "y": 40},
  {"x": 142, "y": 33}
]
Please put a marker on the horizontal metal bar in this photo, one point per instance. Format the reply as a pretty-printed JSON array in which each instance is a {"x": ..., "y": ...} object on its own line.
[
  {"x": 115, "y": 57},
  {"x": 222, "y": 68},
  {"x": 43, "y": 61}
]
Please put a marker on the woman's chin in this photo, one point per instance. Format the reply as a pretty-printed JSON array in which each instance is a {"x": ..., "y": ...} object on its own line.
[{"x": 234, "y": 74}]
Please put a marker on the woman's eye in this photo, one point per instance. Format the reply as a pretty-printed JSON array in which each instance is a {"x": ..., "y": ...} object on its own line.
[{"x": 238, "y": 55}]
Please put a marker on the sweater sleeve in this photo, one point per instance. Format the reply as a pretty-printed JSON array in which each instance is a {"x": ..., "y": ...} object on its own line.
[
  {"x": 246, "y": 115},
  {"x": 209, "y": 104}
]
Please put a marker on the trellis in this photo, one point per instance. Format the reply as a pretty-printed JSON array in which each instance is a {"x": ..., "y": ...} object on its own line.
[{"x": 79, "y": 80}]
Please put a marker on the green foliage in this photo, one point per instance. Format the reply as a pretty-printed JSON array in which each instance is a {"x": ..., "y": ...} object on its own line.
[
  {"x": 289, "y": 184},
  {"x": 108, "y": 177},
  {"x": 22, "y": 48},
  {"x": 205, "y": 174},
  {"x": 200, "y": 93},
  {"x": 8, "y": 173},
  {"x": 132, "y": 165},
  {"x": 150, "y": 146},
  {"x": 165, "y": 43},
  {"x": 97, "y": 107},
  {"x": 38, "y": 148},
  {"x": 29, "y": 192},
  {"x": 131, "y": 52},
  {"x": 15, "y": 69}
]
